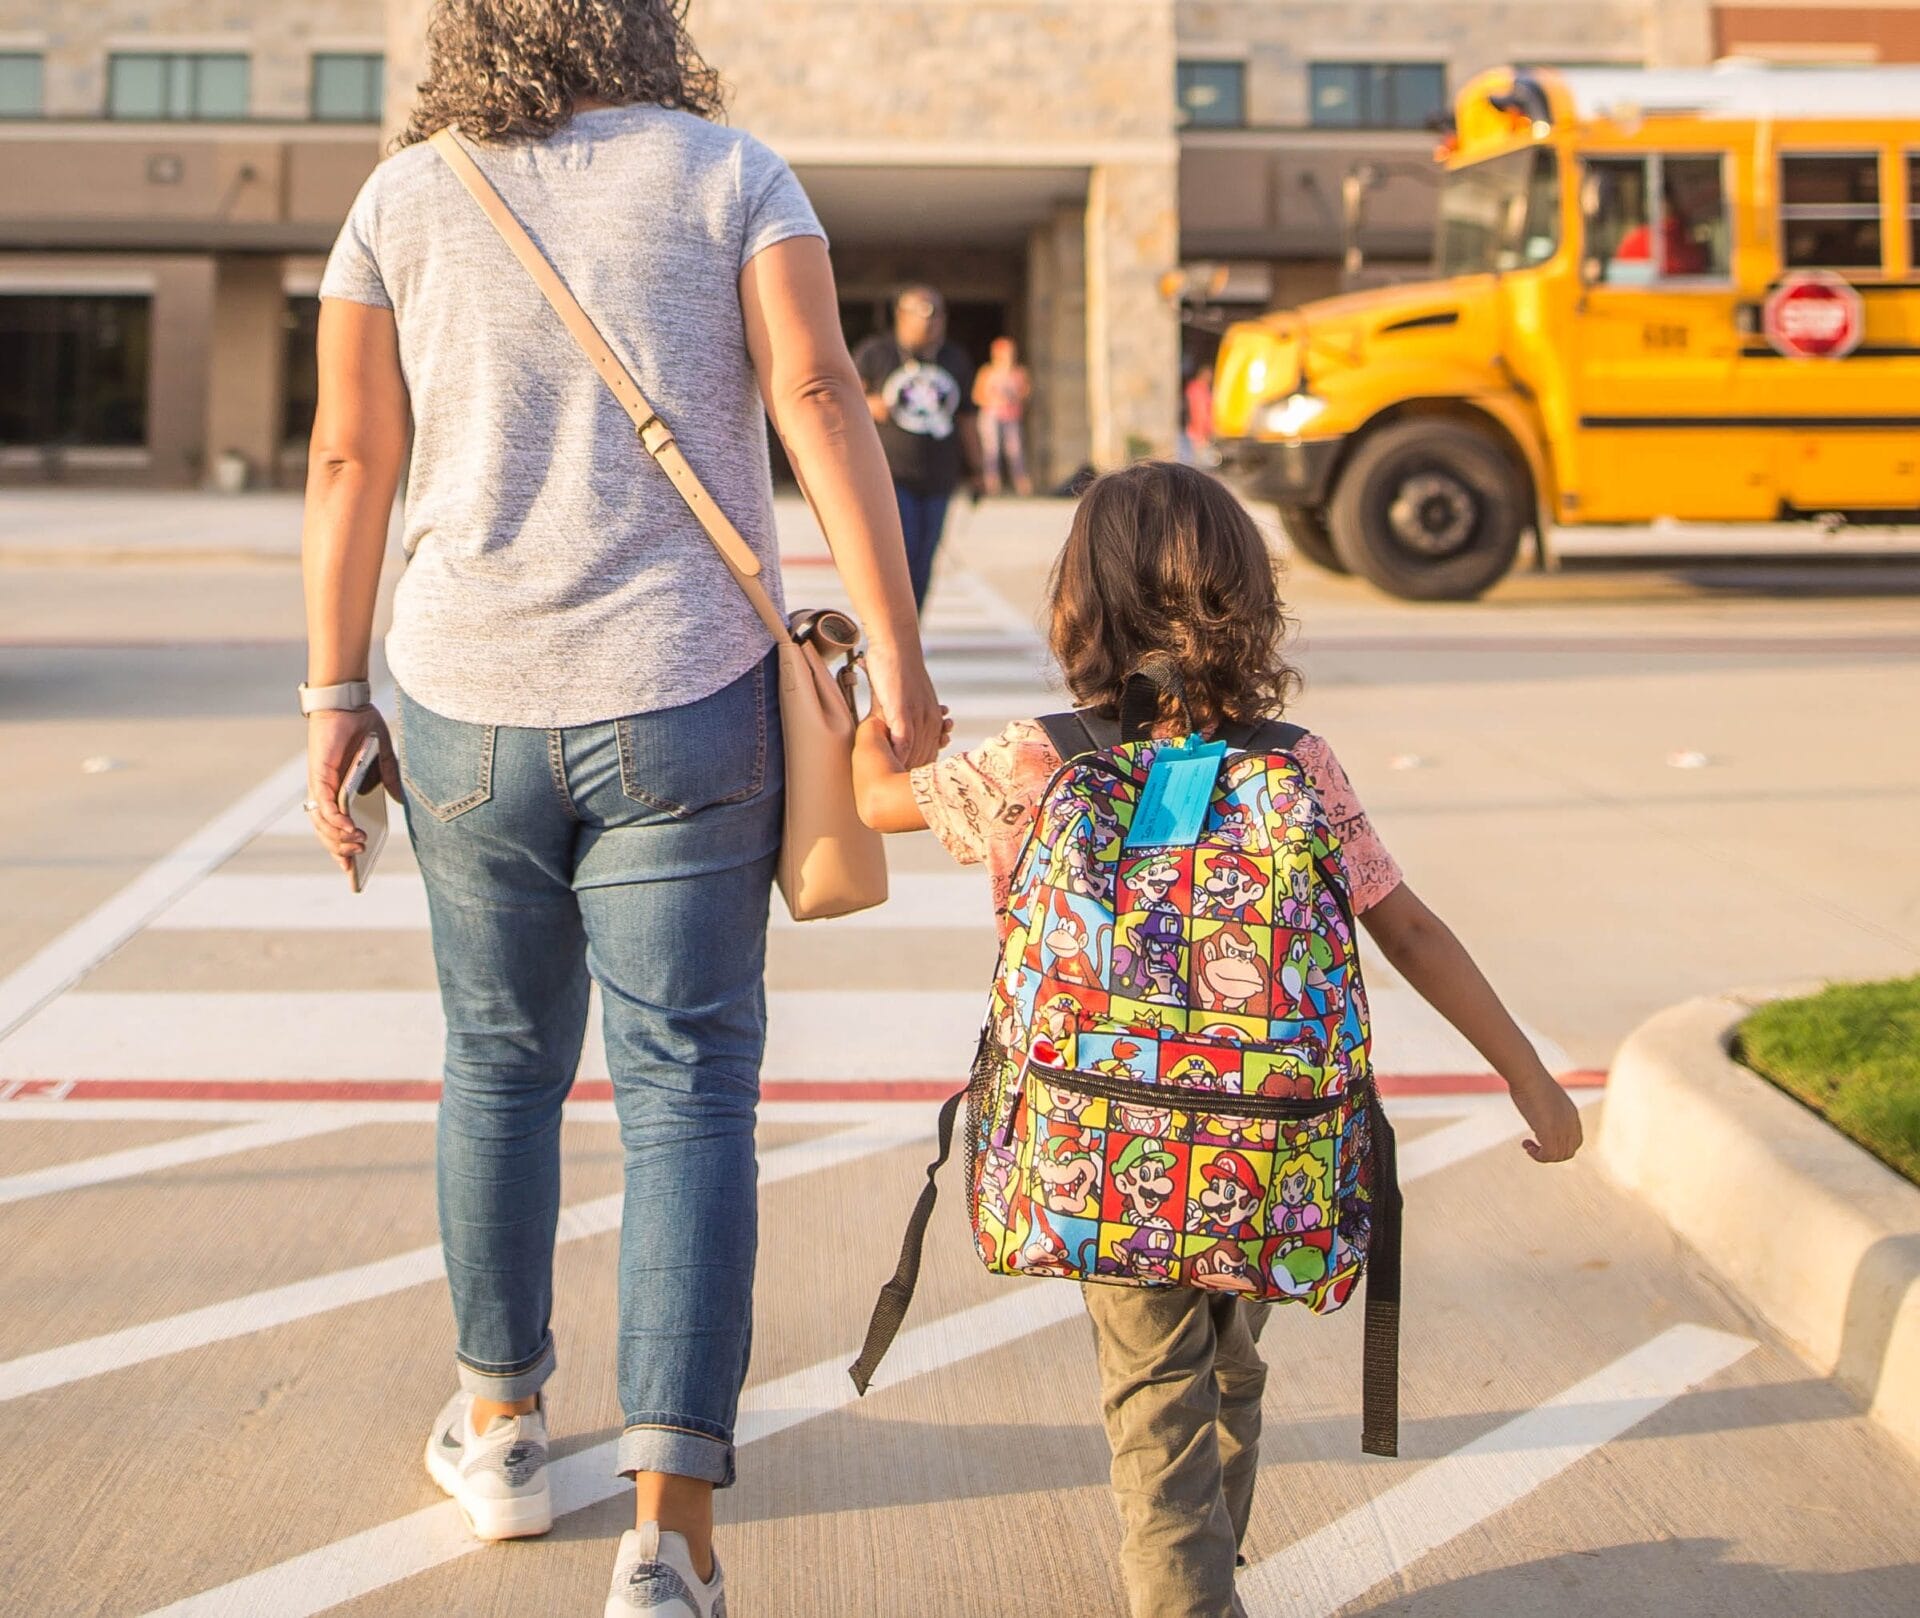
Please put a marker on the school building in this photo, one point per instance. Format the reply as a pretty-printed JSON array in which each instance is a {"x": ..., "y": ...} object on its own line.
[{"x": 172, "y": 172}]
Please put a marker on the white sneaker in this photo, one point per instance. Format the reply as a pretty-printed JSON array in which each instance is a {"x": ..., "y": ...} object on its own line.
[
  {"x": 499, "y": 1477},
  {"x": 654, "y": 1575}
]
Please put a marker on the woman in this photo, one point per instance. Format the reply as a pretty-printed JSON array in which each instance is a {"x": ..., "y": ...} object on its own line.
[
  {"x": 588, "y": 735},
  {"x": 1001, "y": 389}
]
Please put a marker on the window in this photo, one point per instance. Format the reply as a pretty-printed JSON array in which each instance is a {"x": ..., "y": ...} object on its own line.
[
  {"x": 1830, "y": 210},
  {"x": 1212, "y": 95},
  {"x": 1502, "y": 214},
  {"x": 348, "y": 89},
  {"x": 20, "y": 85},
  {"x": 1377, "y": 95},
  {"x": 1656, "y": 219},
  {"x": 76, "y": 370},
  {"x": 302, "y": 323},
  {"x": 177, "y": 85},
  {"x": 1913, "y": 209}
]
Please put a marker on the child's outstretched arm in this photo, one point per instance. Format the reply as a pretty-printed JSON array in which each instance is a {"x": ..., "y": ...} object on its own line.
[
  {"x": 1423, "y": 950},
  {"x": 882, "y": 789}
]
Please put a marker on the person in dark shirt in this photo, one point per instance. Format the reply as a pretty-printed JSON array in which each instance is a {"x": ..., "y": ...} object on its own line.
[{"x": 920, "y": 390}]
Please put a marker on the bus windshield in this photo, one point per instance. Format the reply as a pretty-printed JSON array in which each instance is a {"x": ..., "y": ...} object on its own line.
[{"x": 1500, "y": 214}]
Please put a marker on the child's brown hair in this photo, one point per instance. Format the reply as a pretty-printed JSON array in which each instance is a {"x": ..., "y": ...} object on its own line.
[{"x": 1163, "y": 565}]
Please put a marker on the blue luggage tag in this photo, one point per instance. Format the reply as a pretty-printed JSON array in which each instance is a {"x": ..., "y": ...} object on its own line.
[{"x": 1173, "y": 803}]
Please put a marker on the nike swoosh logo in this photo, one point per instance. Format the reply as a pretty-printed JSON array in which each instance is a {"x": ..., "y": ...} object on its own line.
[{"x": 448, "y": 1441}]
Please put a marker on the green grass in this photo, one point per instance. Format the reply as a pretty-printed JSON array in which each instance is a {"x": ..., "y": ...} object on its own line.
[{"x": 1852, "y": 1054}]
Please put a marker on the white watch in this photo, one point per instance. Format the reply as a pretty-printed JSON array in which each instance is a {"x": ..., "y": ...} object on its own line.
[{"x": 348, "y": 694}]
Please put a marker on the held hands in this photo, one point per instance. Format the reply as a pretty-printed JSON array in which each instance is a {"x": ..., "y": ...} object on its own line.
[
  {"x": 1550, "y": 1114},
  {"x": 333, "y": 742},
  {"x": 904, "y": 698}
]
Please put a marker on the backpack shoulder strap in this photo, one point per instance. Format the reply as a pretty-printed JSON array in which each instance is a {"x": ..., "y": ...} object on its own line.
[
  {"x": 1264, "y": 736},
  {"x": 1072, "y": 736}
]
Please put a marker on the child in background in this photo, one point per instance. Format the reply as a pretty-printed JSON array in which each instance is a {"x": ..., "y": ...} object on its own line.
[{"x": 1162, "y": 562}]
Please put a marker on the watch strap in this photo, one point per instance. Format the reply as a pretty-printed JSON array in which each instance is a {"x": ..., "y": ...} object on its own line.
[{"x": 347, "y": 694}]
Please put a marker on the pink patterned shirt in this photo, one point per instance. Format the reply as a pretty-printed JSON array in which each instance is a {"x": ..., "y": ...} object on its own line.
[{"x": 980, "y": 804}]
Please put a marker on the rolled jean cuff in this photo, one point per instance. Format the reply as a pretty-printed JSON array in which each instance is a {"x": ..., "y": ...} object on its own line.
[
  {"x": 685, "y": 1449},
  {"x": 507, "y": 1383}
]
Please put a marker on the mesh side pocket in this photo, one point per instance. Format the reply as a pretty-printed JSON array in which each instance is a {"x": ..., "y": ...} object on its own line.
[{"x": 989, "y": 1059}]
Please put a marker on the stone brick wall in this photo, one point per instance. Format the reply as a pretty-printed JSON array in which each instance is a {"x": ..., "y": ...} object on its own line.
[
  {"x": 1278, "y": 39},
  {"x": 77, "y": 36}
]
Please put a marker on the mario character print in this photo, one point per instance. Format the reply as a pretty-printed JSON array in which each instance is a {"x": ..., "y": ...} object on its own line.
[
  {"x": 1302, "y": 986},
  {"x": 1226, "y": 1193},
  {"x": 1068, "y": 1168},
  {"x": 1198, "y": 1068},
  {"x": 1232, "y": 886},
  {"x": 1149, "y": 964},
  {"x": 1294, "y": 1266},
  {"x": 1161, "y": 880},
  {"x": 1143, "y": 1182},
  {"x": 1223, "y": 1266},
  {"x": 1148, "y": 1256},
  {"x": 1042, "y": 1247},
  {"x": 1230, "y": 969},
  {"x": 1072, "y": 942},
  {"x": 1300, "y": 1186}
]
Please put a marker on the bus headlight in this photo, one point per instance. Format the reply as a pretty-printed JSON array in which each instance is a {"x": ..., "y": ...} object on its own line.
[{"x": 1289, "y": 417}]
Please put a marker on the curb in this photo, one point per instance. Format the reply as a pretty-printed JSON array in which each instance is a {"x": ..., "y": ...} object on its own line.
[{"x": 1819, "y": 1236}]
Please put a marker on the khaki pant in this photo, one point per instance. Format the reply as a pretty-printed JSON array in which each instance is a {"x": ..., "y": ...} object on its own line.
[{"x": 1180, "y": 1385}]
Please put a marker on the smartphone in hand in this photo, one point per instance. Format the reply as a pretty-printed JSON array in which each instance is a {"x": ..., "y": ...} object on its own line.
[{"x": 363, "y": 800}]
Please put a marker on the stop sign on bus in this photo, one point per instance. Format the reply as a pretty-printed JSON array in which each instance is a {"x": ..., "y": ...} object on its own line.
[{"x": 1813, "y": 315}]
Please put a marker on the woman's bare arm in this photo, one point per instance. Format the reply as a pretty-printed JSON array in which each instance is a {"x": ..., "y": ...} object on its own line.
[
  {"x": 820, "y": 410},
  {"x": 360, "y": 430}
]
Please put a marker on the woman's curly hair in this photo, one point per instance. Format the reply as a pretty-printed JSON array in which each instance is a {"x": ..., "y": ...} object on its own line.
[
  {"x": 501, "y": 68},
  {"x": 1164, "y": 570}
]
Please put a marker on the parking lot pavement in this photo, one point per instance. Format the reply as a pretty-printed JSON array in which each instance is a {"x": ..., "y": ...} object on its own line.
[{"x": 224, "y": 1331}]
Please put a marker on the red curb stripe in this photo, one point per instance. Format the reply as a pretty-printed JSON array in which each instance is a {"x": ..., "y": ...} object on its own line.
[{"x": 293, "y": 1090}]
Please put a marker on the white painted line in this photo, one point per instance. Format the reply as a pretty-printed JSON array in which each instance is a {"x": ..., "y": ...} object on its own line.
[
  {"x": 908, "y": 1115},
  {"x": 397, "y": 902},
  {"x": 1337, "y": 1564},
  {"x": 429, "y": 1538},
  {"x": 811, "y": 1034},
  {"x": 399, "y": 1549},
  {"x": 299, "y": 1300},
  {"x": 96, "y": 935},
  {"x": 168, "y": 1154}
]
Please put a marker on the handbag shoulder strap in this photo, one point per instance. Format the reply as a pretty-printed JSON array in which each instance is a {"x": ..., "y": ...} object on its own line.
[{"x": 655, "y": 436}]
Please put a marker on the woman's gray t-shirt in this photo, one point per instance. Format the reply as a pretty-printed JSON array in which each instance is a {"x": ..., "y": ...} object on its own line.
[{"x": 553, "y": 575}]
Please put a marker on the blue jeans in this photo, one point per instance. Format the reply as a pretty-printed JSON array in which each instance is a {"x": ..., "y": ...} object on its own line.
[
  {"x": 639, "y": 852},
  {"x": 922, "y": 517}
]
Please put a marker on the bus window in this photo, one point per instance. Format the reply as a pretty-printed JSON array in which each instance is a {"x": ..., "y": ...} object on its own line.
[
  {"x": 1830, "y": 210},
  {"x": 1656, "y": 219},
  {"x": 1501, "y": 214}
]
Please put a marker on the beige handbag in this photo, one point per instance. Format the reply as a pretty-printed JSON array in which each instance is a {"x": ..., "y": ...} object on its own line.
[{"x": 831, "y": 862}]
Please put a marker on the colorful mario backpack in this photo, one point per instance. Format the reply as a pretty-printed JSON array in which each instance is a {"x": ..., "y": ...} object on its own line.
[{"x": 1173, "y": 1085}]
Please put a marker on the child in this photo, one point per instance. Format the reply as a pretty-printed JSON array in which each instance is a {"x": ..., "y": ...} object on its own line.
[{"x": 1161, "y": 561}]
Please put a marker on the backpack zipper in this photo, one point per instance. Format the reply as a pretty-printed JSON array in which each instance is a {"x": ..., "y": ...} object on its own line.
[{"x": 1160, "y": 1096}]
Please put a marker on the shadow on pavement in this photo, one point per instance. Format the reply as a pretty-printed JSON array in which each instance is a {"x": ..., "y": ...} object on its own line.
[{"x": 1655, "y": 1580}]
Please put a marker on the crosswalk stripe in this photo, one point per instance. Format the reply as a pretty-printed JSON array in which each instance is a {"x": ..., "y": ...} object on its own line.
[
  {"x": 332, "y": 1574},
  {"x": 168, "y": 1154},
  {"x": 396, "y": 901},
  {"x": 298, "y": 1300},
  {"x": 1319, "y": 1575},
  {"x": 812, "y": 1034}
]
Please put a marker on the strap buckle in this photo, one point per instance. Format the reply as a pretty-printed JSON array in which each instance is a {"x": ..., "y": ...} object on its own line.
[{"x": 655, "y": 434}]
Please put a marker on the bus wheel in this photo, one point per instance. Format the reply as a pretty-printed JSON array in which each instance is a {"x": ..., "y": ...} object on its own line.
[
  {"x": 1306, "y": 531},
  {"x": 1429, "y": 510}
]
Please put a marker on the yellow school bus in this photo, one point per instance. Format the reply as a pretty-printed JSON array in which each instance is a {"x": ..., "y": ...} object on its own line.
[{"x": 1658, "y": 294}]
